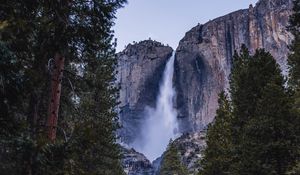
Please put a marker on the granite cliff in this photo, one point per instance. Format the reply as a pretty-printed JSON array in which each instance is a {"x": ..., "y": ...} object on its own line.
[
  {"x": 135, "y": 163},
  {"x": 204, "y": 56},
  {"x": 140, "y": 67}
]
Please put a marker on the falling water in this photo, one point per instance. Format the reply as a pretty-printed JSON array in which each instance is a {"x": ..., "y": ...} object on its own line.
[{"x": 161, "y": 124}]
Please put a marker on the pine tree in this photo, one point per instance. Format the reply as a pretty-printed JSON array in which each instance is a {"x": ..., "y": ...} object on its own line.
[
  {"x": 270, "y": 141},
  {"x": 37, "y": 38},
  {"x": 10, "y": 107},
  {"x": 171, "y": 164},
  {"x": 260, "y": 128},
  {"x": 294, "y": 74},
  {"x": 294, "y": 57},
  {"x": 217, "y": 155},
  {"x": 263, "y": 126},
  {"x": 238, "y": 90}
]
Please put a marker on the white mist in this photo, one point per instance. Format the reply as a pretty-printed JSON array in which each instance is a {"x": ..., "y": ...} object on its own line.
[{"x": 161, "y": 123}]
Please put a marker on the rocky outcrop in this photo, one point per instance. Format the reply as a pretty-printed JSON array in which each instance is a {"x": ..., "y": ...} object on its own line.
[
  {"x": 135, "y": 163},
  {"x": 204, "y": 56},
  {"x": 191, "y": 147},
  {"x": 140, "y": 68}
]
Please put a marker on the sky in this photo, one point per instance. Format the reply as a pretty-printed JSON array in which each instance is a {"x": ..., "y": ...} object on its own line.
[{"x": 167, "y": 21}]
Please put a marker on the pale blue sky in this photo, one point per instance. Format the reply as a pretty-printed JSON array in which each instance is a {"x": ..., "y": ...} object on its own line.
[{"x": 168, "y": 20}]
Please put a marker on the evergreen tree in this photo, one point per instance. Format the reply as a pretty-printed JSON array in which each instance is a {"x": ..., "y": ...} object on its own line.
[
  {"x": 269, "y": 136},
  {"x": 258, "y": 126},
  {"x": 238, "y": 90},
  {"x": 39, "y": 42},
  {"x": 171, "y": 164},
  {"x": 294, "y": 57},
  {"x": 262, "y": 124},
  {"x": 217, "y": 156},
  {"x": 10, "y": 106},
  {"x": 294, "y": 73}
]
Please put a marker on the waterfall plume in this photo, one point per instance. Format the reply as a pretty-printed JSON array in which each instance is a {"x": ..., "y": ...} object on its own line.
[{"x": 160, "y": 124}]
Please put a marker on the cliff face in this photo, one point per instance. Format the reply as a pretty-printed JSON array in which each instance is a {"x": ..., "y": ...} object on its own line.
[
  {"x": 204, "y": 56},
  {"x": 140, "y": 68},
  {"x": 135, "y": 163}
]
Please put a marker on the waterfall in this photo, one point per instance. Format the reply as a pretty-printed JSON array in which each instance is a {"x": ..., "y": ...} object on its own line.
[{"x": 161, "y": 122}]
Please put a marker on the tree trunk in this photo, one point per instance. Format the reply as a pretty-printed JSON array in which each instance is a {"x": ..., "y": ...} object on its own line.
[{"x": 53, "y": 109}]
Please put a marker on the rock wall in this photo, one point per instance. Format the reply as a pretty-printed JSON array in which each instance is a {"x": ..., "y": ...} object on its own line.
[
  {"x": 204, "y": 56},
  {"x": 191, "y": 147},
  {"x": 140, "y": 68},
  {"x": 135, "y": 163}
]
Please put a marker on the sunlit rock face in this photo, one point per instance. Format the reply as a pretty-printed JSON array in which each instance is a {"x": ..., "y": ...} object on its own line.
[
  {"x": 204, "y": 56},
  {"x": 140, "y": 70},
  {"x": 135, "y": 163}
]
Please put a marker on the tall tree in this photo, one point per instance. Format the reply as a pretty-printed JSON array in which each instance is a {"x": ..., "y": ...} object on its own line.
[
  {"x": 11, "y": 85},
  {"x": 58, "y": 60},
  {"x": 269, "y": 135},
  {"x": 294, "y": 69},
  {"x": 217, "y": 156},
  {"x": 294, "y": 57},
  {"x": 263, "y": 125},
  {"x": 262, "y": 132}
]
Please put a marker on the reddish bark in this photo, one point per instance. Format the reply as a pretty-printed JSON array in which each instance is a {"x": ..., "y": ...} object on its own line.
[{"x": 53, "y": 109}]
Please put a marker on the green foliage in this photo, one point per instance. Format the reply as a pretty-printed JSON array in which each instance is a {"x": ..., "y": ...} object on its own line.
[
  {"x": 294, "y": 57},
  {"x": 257, "y": 133},
  {"x": 217, "y": 156},
  {"x": 295, "y": 170},
  {"x": 171, "y": 164},
  {"x": 31, "y": 33},
  {"x": 294, "y": 74},
  {"x": 11, "y": 106},
  {"x": 263, "y": 124}
]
